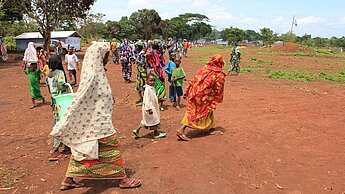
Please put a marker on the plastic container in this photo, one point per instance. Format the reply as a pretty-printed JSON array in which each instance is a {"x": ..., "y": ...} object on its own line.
[{"x": 64, "y": 100}]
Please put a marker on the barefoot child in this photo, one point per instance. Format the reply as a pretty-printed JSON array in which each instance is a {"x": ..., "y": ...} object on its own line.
[
  {"x": 177, "y": 77},
  {"x": 35, "y": 90},
  {"x": 150, "y": 110}
]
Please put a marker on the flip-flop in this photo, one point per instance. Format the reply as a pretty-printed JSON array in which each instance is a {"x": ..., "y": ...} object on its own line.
[
  {"x": 71, "y": 186},
  {"x": 131, "y": 183},
  {"x": 161, "y": 135},
  {"x": 136, "y": 134},
  {"x": 182, "y": 136}
]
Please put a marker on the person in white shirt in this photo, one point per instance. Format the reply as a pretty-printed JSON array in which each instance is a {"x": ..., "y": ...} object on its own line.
[
  {"x": 72, "y": 65},
  {"x": 150, "y": 110}
]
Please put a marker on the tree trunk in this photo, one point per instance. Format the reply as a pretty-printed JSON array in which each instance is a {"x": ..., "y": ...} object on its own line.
[{"x": 46, "y": 40}]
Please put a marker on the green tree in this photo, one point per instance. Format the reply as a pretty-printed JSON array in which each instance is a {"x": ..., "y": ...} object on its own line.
[
  {"x": 215, "y": 34},
  {"x": 251, "y": 35},
  {"x": 232, "y": 34},
  {"x": 267, "y": 36},
  {"x": 92, "y": 27},
  {"x": 287, "y": 37},
  {"x": 199, "y": 30},
  {"x": 114, "y": 29},
  {"x": 50, "y": 13},
  {"x": 9, "y": 11},
  {"x": 320, "y": 42},
  {"x": 305, "y": 39},
  {"x": 146, "y": 22},
  {"x": 187, "y": 25},
  {"x": 128, "y": 29}
]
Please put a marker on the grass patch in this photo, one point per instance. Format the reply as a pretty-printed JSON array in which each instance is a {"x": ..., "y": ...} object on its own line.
[
  {"x": 246, "y": 69},
  {"x": 290, "y": 75},
  {"x": 318, "y": 54},
  {"x": 272, "y": 53},
  {"x": 304, "y": 76},
  {"x": 202, "y": 60},
  {"x": 333, "y": 77},
  {"x": 213, "y": 48}
]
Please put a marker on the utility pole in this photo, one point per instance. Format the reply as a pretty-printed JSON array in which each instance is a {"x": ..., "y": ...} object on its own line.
[{"x": 292, "y": 24}]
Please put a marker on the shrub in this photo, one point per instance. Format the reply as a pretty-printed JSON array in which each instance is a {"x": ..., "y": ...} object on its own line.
[{"x": 10, "y": 43}]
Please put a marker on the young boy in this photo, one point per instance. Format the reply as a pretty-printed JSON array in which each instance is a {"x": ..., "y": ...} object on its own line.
[
  {"x": 72, "y": 65},
  {"x": 177, "y": 77},
  {"x": 150, "y": 110},
  {"x": 167, "y": 70},
  {"x": 35, "y": 90}
]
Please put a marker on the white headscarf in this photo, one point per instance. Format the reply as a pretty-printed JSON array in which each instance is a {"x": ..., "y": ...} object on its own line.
[
  {"x": 89, "y": 117},
  {"x": 30, "y": 54}
]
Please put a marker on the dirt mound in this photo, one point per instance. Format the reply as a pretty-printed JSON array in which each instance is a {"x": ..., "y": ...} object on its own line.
[{"x": 291, "y": 47}]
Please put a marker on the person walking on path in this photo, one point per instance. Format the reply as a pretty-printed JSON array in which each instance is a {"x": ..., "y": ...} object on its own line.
[
  {"x": 150, "y": 110},
  {"x": 203, "y": 93},
  {"x": 35, "y": 91},
  {"x": 86, "y": 126}
]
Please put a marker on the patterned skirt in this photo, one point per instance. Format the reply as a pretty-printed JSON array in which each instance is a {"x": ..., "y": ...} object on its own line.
[
  {"x": 203, "y": 123},
  {"x": 108, "y": 166}
]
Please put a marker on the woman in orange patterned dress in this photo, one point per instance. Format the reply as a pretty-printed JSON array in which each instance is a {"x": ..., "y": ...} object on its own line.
[{"x": 203, "y": 93}]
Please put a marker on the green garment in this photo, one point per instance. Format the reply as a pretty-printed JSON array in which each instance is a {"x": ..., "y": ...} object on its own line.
[
  {"x": 178, "y": 73},
  {"x": 35, "y": 90},
  {"x": 160, "y": 90}
]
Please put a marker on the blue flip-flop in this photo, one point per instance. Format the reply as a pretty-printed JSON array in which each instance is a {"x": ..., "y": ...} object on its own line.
[{"x": 136, "y": 134}]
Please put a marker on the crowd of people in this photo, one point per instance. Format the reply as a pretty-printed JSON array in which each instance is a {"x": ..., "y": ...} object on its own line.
[{"x": 86, "y": 128}]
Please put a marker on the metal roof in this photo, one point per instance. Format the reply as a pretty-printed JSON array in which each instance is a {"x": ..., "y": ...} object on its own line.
[{"x": 56, "y": 34}]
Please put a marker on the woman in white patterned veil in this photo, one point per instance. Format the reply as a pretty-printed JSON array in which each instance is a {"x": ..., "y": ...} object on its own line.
[{"x": 87, "y": 128}]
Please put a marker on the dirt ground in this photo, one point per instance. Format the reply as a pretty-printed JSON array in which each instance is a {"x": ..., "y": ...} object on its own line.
[{"x": 279, "y": 137}]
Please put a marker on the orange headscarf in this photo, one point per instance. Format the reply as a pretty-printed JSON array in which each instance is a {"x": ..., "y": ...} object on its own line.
[{"x": 206, "y": 88}]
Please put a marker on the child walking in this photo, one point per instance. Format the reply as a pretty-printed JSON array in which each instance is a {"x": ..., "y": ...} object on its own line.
[
  {"x": 177, "y": 77},
  {"x": 150, "y": 110},
  {"x": 35, "y": 90},
  {"x": 72, "y": 64}
]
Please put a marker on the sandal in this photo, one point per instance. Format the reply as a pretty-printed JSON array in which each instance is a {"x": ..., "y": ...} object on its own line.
[
  {"x": 160, "y": 135},
  {"x": 129, "y": 183},
  {"x": 182, "y": 136},
  {"x": 56, "y": 157},
  {"x": 65, "y": 186},
  {"x": 137, "y": 135}
]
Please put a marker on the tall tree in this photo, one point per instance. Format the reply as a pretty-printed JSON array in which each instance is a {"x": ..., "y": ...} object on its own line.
[
  {"x": 251, "y": 35},
  {"x": 186, "y": 25},
  {"x": 114, "y": 28},
  {"x": 232, "y": 34},
  {"x": 267, "y": 35},
  {"x": 199, "y": 30},
  {"x": 128, "y": 29},
  {"x": 50, "y": 13},
  {"x": 146, "y": 22},
  {"x": 9, "y": 11},
  {"x": 92, "y": 27}
]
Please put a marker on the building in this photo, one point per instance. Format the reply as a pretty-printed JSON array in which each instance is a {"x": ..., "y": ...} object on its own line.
[{"x": 68, "y": 38}]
